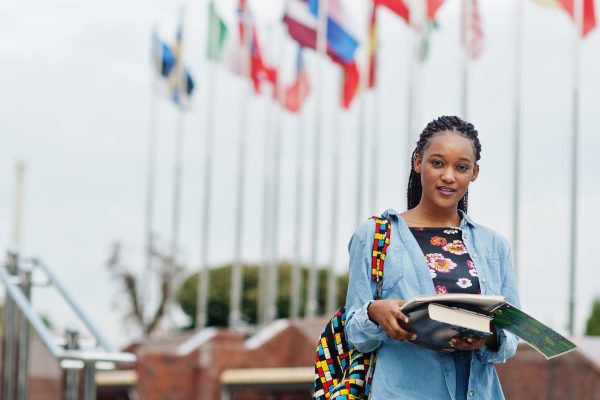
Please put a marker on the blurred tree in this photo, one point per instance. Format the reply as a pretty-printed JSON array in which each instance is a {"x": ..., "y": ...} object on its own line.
[
  {"x": 593, "y": 323},
  {"x": 219, "y": 293},
  {"x": 136, "y": 309}
]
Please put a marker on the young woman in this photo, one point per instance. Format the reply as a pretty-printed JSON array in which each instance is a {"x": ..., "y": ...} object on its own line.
[{"x": 435, "y": 248}]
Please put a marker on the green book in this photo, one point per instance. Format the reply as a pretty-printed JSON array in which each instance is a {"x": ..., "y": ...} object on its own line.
[{"x": 504, "y": 315}]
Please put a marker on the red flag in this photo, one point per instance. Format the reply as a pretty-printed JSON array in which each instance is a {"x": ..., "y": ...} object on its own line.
[
  {"x": 589, "y": 14},
  {"x": 259, "y": 71},
  {"x": 298, "y": 91},
  {"x": 475, "y": 30},
  {"x": 432, "y": 8},
  {"x": 351, "y": 82},
  {"x": 397, "y": 6}
]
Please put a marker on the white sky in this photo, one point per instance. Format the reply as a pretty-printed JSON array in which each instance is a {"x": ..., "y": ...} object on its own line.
[{"x": 75, "y": 101}]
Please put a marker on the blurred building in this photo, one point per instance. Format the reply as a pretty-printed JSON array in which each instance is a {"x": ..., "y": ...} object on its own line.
[{"x": 276, "y": 364}]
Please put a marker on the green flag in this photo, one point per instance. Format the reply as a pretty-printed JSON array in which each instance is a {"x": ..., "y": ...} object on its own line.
[{"x": 217, "y": 32}]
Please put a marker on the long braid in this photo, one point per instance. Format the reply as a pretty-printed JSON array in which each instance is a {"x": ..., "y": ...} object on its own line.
[{"x": 441, "y": 124}]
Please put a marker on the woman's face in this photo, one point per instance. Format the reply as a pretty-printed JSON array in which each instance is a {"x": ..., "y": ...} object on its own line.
[{"x": 447, "y": 166}]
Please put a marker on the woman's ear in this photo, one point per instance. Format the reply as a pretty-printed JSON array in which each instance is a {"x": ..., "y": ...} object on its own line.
[
  {"x": 417, "y": 163},
  {"x": 475, "y": 173}
]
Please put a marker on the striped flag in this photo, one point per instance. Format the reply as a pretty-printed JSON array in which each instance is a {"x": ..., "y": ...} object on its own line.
[
  {"x": 475, "y": 30},
  {"x": 301, "y": 18},
  {"x": 589, "y": 12}
]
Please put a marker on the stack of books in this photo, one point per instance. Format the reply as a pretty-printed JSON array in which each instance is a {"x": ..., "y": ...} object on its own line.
[{"x": 437, "y": 319}]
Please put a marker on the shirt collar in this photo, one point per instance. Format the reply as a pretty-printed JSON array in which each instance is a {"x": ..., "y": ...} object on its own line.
[{"x": 465, "y": 218}]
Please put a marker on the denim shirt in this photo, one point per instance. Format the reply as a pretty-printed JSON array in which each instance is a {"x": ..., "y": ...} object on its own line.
[{"x": 405, "y": 371}]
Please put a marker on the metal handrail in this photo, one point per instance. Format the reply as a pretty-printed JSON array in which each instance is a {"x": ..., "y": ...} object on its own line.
[
  {"x": 76, "y": 308},
  {"x": 18, "y": 295},
  {"x": 38, "y": 325}
]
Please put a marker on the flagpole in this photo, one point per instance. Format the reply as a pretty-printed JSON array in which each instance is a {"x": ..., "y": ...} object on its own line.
[
  {"x": 263, "y": 286},
  {"x": 273, "y": 271},
  {"x": 332, "y": 287},
  {"x": 373, "y": 177},
  {"x": 417, "y": 24},
  {"x": 467, "y": 37},
  {"x": 204, "y": 281},
  {"x": 517, "y": 134},
  {"x": 296, "y": 271},
  {"x": 177, "y": 173},
  {"x": 150, "y": 183},
  {"x": 17, "y": 225},
  {"x": 578, "y": 10},
  {"x": 312, "y": 303},
  {"x": 236, "y": 272},
  {"x": 362, "y": 129}
]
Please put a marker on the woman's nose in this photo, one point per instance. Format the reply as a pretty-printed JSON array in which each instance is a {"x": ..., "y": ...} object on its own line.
[{"x": 448, "y": 175}]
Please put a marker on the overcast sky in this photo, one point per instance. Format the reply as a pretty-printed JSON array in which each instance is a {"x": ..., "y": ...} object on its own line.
[{"x": 75, "y": 98}]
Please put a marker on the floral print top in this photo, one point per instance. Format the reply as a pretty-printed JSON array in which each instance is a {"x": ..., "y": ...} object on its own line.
[{"x": 450, "y": 265}]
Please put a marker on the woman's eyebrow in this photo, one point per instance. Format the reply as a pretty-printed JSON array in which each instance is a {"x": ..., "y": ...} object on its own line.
[{"x": 442, "y": 156}]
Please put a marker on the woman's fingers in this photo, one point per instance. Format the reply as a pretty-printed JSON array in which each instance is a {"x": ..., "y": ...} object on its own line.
[
  {"x": 467, "y": 343},
  {"x": 395, "y": 331}
]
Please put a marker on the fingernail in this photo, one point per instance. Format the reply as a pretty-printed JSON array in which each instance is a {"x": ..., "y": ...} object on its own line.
[
  {"x": 406, "y": 319},
  {"x": 414, "y": 337},
  {"x": 469, "y": 340}
]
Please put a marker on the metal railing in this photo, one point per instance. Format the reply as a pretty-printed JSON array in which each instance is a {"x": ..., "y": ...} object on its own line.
[{"x": 16, "y": 276}]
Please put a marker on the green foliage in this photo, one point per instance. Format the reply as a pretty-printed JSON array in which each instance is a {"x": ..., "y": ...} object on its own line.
[
  {"x": 219, "y": 293},
  {"x": 593, "y": 323}
]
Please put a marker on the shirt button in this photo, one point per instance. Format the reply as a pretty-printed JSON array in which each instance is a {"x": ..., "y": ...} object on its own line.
[
  {"x": 475, "y": 255},
  {"x": 483, "y": 281},
  {"x": 466, "y": 235},
  {"x": 471, "y": 393}
]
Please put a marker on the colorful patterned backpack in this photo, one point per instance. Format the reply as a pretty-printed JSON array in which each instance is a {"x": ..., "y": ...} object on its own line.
[{"x": 341, "y": 371}]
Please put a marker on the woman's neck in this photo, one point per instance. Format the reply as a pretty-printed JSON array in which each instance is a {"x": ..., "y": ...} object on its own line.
[{"x": 423, "y": 216}]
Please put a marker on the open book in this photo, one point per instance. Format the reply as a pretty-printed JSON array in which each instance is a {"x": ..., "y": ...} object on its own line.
[{"x": 436, "y": 319}]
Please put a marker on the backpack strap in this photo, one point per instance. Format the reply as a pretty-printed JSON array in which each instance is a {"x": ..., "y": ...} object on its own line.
[{"x": 381, "y": 241}]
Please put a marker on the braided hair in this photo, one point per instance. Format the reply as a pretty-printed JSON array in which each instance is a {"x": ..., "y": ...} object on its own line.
[{"x": 441, "y": 124}]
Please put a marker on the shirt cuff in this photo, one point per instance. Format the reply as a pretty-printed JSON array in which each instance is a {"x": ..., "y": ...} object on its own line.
[
  {"x": 507, "y": 345},
  {"x": 364, "y": 323}
]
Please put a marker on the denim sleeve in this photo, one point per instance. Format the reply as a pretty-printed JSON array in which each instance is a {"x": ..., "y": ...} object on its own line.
[
  {"x": 507, "y": 341},
  {"x": 361, "y": 332}
]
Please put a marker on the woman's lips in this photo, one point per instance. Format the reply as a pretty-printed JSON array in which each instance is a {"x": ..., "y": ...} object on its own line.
[{"x": 445, "y": 190}]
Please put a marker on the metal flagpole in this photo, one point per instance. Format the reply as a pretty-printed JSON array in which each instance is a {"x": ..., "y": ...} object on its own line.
[
  {"x": 263, "y": 287},
  {"x": 517, "y": 133},
  {"x": 578, "y": 13},
  {"x": 417, "y": 24},
  {"x": 312, "y": 303},
  {"x": 467, "y": 36},
  {"x": 203, "y": 284},
  {"x": 362, "y": 129},
  {"x": 271, "y": 312},
  {"x": 236, "y": 272},
  {"x": 264, "y": 282},
  {"x": 151, "y": 179},
  {"x": 335, "y": 189},
  {"x": 177, "y": 171},
  {"x": 296, "y": 271},
  {"x": 375, "y": 136},
  {"x": 18, "y": 206}
]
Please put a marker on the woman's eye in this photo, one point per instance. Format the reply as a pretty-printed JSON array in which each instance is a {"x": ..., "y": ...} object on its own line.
[
  {"x": 463, "y": 168},
  {"x": 436, "y": 163}
]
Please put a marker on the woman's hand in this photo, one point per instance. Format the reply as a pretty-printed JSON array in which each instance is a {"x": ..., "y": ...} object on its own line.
[
  {"x": 387, "y": 314},
  {"x": 471, "y": 343}
]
